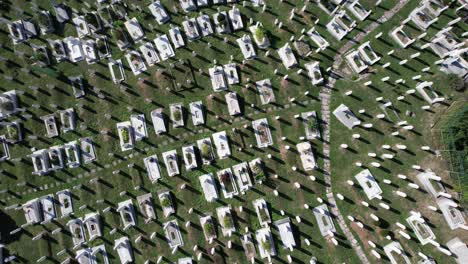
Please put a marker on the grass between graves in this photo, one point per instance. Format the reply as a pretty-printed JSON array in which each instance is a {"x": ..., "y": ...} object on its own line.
[{"x": 343, "y": 161}]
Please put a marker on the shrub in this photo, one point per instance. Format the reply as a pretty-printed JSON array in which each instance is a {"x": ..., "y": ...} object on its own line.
[
  {"x": 40, "y": 57},
  {"x": 205, "y": 150},
  {"x": 260, "y": 33},
  {"x": 221, "y": 19},
  {"x": 177, "y": 115},
  {"x": 165, "y": 201},
  {"x": 43, "y": 20},
  {"x": 13, "y": 132},
  {"x": 6, "y": 106},
  {"x": 302, "y": 48},
  {"x": 209, "y": 229},
  {"x": 125, "y": 135},
  {"x": 266, "y": 245},
  {"x": 92, "y": 19},
  {"x": 227, "y": 221}
]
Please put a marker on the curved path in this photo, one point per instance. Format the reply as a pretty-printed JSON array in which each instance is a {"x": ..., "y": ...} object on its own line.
[{"x": 325, "y": 96}]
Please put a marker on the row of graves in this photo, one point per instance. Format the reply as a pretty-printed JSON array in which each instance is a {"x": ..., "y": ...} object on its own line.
[
  {"x": 444, "y": 45},
  {"x": 8, "y": 107},
  {"x": 92, "y": 45},
  {"x": 233, "y": 181},
  {"x": 69, "y": 155}
]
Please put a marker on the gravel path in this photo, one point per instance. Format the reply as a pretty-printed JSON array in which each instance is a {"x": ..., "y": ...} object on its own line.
[{"x": 325, "y": 96}]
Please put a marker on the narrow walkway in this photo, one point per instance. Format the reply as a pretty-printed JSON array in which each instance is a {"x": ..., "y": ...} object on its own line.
[{"x": 325, "y": 96}]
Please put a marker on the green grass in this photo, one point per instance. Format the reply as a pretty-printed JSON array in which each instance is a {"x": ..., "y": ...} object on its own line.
[{"x": 365, "y": 98}]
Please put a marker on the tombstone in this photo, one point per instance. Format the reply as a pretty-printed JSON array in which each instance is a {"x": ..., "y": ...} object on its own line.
[
  {"x": 453, "y": 22},
  {"x": 56, "y": 231},
  {"x": 400, "y": 146},
  {"x": 16, "y": 230},
  {"x": 404, "y": 234},
  {"x": 38, "y": 236},
  {"x": 384, "y": 206},
  {"x": 359, "y": 224},
  {"x": 138, "y": 239},
  {"x": 376, "y": 254},
  {"x": 340, "y": 196},
  {"x": 61, "y": 252},
  {"x": 426, "y": 148},
  {"x": 401, "y": 176},
  {"x": 334, "y": 241},
  {"x": 400, "y": 225},
  {"x": 174, "y": 250}
]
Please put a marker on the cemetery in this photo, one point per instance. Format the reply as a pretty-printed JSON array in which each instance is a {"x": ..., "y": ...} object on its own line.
[{"x": 233, "y": 131}]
